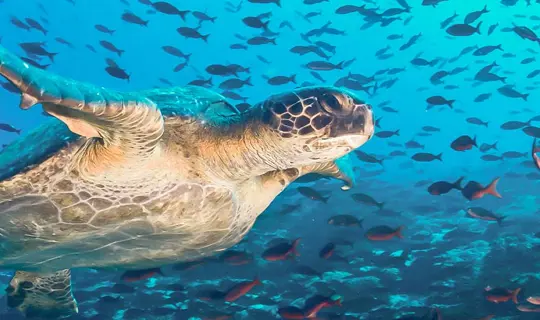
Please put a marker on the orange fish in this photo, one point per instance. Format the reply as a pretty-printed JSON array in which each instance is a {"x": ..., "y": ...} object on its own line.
[
  {"x": 474, "y": 190},
  {"x": 534, "y": 300},
  {"x": 311, "y": 311},
  {"x": 535, "y": 157},
  {"x": 291, "y": 313},
  {"x": 137, "y": 275},
  {"x": 241, "y": 289},
  {"x": 498, "y": 295},
  {"x": 382, "y": 233},
  {"x": 281, "y": 251},
  {"x": 525, "y": 308}
]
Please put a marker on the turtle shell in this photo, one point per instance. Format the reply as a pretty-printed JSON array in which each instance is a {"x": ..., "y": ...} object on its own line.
[{"x": 41, "y": 143}]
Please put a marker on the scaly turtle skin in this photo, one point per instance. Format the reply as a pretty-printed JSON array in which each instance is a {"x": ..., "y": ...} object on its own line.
[{"x": 139, "y": 180}]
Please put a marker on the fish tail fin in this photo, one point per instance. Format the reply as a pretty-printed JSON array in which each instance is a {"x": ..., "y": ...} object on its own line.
[
  {"x": 265, "y": 25},
  {"x": 52, "y": 55},
  {"x": 494, "y": 146},
  {"x": 492, "y": 188},
  {"x": 486, "y": 124},
  {"x": 485, "y": 10},
  {"x": 396, "y": 132},
  {"x": 398, "y": 232},
  {"x": 451, "y": 103},
  {"x": 474, "y": 142},
  {"x": 361, "y": 223},
  {"x": 18, "y": 131},
  {"x": 294, "y": 248},
  {"x": 325, "y": 199},
  {"x": 248, "y": 81},
  {"x": 120, "y": 52},
  {"x": 293, "y": 78},
  {"x": 380, "y": 205},
  {"x": 477, "y": 29},
  {"x": 500, "y": 47},
  {"x": 439, "y": 156},
  {"x": 257, "y": 281},
  {"x": 525, "y": 96},
  {"x": 278, "y": 2},
  {"x": 500, "y": 220},
  {"x": 205, "y": 37},
  {"x": 515, "y": 294},
  {"x": 340, "y": 65},
  {"x": 273, "y": 41},
  {"x": 457, "y": 184}
]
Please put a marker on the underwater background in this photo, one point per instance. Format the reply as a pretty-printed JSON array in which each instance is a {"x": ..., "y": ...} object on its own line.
[{"x": 453, "y": 85}]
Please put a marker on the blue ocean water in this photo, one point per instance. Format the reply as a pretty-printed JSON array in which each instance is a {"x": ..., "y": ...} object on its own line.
[{"x": 445, "y": 260}]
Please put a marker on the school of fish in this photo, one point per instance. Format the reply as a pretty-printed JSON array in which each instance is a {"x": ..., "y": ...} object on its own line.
[{"x": 443, "y": 222}]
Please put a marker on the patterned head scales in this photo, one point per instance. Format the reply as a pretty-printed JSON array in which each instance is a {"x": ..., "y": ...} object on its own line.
[{"x": 325, "y": 114}]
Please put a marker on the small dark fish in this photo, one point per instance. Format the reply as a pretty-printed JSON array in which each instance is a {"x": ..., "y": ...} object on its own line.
[
  {"x": 345, "y": 220},
  {"x": 192, "y": 33},
  {"x": 117, "y": 72},
  {"x": 509, "y": 91},
  {"x": 366, "y": 199},
  {"x": 111, "y": 47},
  {"x": 426, "y": 157},
  {"x": 104, "y": 29},
  {"x": 482, "y": 97},
  {"x": 463, "y": 143},
  {"x": 438, "y": 101},
  {"x": 327, "y": 251},
  {"x": 167, "y": 8},
  {"x": 137, "y": 275},
  {"x": 134, "y": 19},
  {"x": 36, "y": 25},
  {"x": 442, "y": 187},
  {"x": 514, "y": 125},
  {"x": 9, "y": 128},
  {"x": 261, "y": 40},
  {"x": 473, "y": 16},
  {"x": 312, "y": 194},
  {"x": 382, "y": 233},
  {"x": 281, "y": 80},
  {"x": 387, "y": 134},
  {"x": 477, "y": 121},
  {"x": 532, "y": 131},
  {"x": 463, "y": 30},
  {"x": 364, "y": 157}
]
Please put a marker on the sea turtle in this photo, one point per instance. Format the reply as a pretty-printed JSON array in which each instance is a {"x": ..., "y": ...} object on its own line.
[{"x": 142, "y": 179}]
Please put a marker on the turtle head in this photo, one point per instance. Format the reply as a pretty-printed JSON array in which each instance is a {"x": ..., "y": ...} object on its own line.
[{"x": 320, "y": 123}]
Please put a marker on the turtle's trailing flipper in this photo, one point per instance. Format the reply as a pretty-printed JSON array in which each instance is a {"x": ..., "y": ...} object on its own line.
[
  {"x": 340, "y": 169},
  {"x": 42, "y": 295},
  {"x": 87, "y": 110}
]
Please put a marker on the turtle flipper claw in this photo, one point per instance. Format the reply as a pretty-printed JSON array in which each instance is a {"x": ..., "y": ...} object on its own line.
[{"x": 87, "y": 110}]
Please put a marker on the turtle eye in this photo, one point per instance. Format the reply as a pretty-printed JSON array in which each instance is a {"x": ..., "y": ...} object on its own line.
[{"x": 330, "y": 102}]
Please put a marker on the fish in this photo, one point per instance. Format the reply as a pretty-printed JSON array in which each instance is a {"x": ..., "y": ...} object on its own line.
[
  {"x": 345, "y": 220},
  {"x": 534, "y": 154},
  {"x": 463, "y": 143},
  {"x": 138, "y": 275},
  {"x": 281, "y": 251},
  {"x": 9, "y": 128},
  {"x": 366, "y": 199},
  {"x": 443, "y": 187},
  {"x": 327, "y": 251},
  {"x": 384, "y": 233},
  {"x": 498, "y": 295},
  {"x": 426, "y": 157},
  {"x": 312, "y": 194},
  {"x": 484, "y": 214},
  {"x": 241, "y": 289},
  {"x": 474, "y": 190}
]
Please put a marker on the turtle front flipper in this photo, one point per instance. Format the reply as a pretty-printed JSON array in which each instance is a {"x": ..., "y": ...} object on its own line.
[
  {"x": 42, "y": 295},
  {"x": 87, "y": 110}
]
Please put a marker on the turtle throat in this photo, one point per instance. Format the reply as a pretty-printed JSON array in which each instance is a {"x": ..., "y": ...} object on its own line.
[{"x": 252, "y": 152}]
